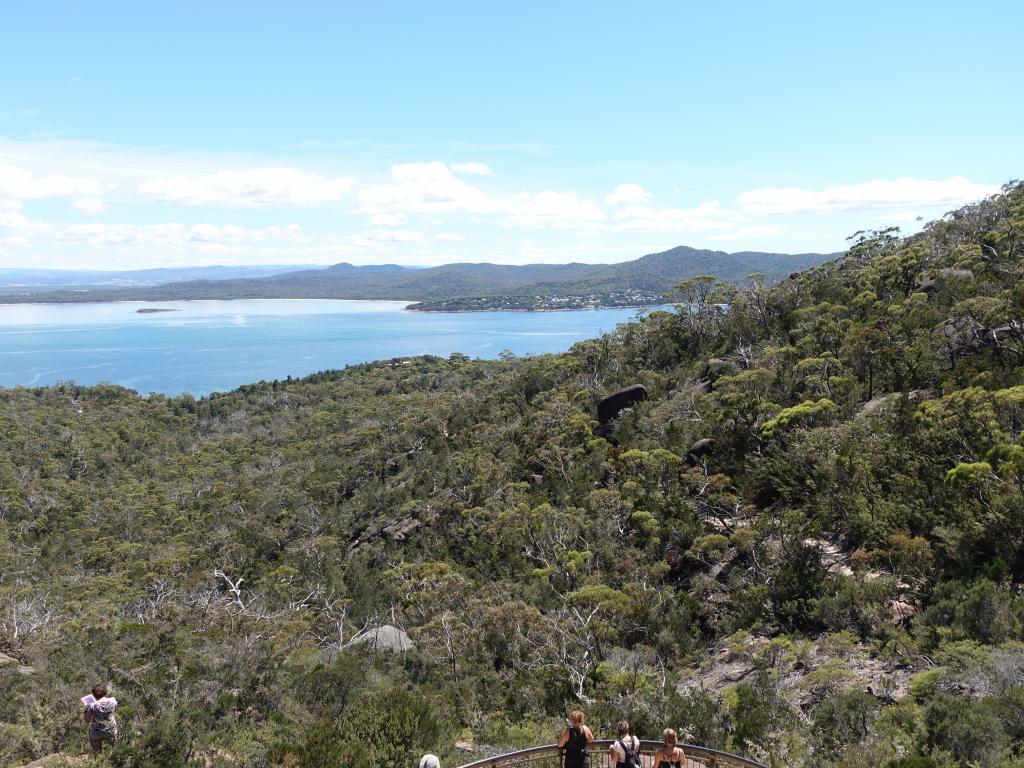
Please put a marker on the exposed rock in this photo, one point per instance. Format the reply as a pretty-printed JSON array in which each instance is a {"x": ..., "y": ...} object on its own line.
[
  {"x": 731, "y": 665},
  {"x": 536, "y": 479},
  {"x": 926, "y": 284},
  {"x": 900, "y": 610},
  {"x": 23, "y": 669},
  {"x": 930, "y": 283},
  {"x": 720, "y": 675},
  {"x": 872, "y": 405},
  {"x": 832, "y": 556},
  {"x": 58, "y": 760},
  {"x": 702, "y": 386},
  {"x": 716, "y": 367},
  {"x": 877, "y": 404},
  {"x": 965, "y": 335},
  {"x": 699, "y": 449},
  {"x": 956, "y": 274},
  {"x": 386, "y": 638},
  {"x": 400, "y": 529},
  {"x": 611, "y": 406},
  {"x": 214, "y": 755}
]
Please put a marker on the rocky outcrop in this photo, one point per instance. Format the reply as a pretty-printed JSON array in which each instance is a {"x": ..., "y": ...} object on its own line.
[
  {"x": 699, "y": 450},
  {"x": 965, "y": 335},
  {"x": 386, "y": 638},
  {"x": 927, "y": 283},
  {"x": 58, "y": 760},
  {"x": 806, "y": 676},
  {"x": 23, "y": 669},
  {"x": 611, "y": 406}
]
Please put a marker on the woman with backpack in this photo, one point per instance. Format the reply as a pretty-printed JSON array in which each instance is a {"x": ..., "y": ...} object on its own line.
[
  {"x": 625, "y": 750},
  {"x": 574, "y": 741}
]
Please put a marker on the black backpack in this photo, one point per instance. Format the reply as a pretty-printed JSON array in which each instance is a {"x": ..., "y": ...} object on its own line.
[{"x": 632, "y": 758}]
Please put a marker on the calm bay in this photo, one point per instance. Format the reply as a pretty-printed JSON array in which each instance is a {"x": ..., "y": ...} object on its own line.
[{"x": 209, "y": 346}]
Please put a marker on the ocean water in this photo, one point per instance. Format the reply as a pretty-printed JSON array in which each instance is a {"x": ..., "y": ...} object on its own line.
[{"x": 212, "y": 346}]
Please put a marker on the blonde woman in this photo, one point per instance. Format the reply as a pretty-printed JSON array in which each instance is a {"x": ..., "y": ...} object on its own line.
[
  {"x": 574, "y": 741},
  {"x": 670, "y": 755}
]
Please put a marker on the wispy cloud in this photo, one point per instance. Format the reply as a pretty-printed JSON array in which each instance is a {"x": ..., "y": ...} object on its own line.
[
  {"x": 90, "y": 205},
  {"x": 704, "y": 217},
  {"x": 473, "y": 169},
  {"x": 255, "y": 188},
  {"x": 18, "y": 184},
  {"x": 552, "y": 209},
  {"x": 878, "y": 194},
  {"x": 627, "y": 194}
]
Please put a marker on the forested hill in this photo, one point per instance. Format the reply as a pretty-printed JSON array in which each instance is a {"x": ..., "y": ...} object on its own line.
[
  {"x": 835, "y": 580},
  {"x": 653, "y": 274}
]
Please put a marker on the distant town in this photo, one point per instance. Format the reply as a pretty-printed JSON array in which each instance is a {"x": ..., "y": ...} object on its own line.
[{"x": 541, "y": 303}]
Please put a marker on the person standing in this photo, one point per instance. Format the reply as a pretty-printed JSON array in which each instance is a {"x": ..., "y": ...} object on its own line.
[
  {"x": 670, "y": 755},
  {"x": 99, "y": 714},
  {"x": 574, "y": 741},
  {"x": 625, "y": 750}
]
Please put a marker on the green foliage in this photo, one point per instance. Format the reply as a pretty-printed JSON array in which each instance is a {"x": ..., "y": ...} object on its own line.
[
  {"x": 911, "y": 762},
  {"x": 805, "y": 411},
  {"x": 967, "y": 728},
  {"x": 855, "y": 528}
]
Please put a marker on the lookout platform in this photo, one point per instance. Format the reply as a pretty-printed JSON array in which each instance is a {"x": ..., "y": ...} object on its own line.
[{"x": 549, "y": 756}]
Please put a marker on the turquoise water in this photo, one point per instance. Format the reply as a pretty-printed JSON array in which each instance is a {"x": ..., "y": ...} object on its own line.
[{"x": 212, "y": 346}]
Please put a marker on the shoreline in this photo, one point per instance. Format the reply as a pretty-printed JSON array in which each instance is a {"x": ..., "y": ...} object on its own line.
[
  {"x": 188, "y": 301},
  {"x": 534, "y": 309},
  {"x": 407, "y": 306}
]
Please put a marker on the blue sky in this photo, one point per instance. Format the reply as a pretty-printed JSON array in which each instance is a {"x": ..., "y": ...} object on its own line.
[{"x": 137, "y": 134}]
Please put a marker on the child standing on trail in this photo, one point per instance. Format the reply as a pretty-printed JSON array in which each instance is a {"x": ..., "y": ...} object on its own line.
[{"x": 99, "y": 714}]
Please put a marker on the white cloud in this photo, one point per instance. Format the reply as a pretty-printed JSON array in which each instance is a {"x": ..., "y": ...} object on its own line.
[
  {"x": 90, "y": 205},
  {"x": 116, "y": 234},
  {"x": 387, "y": 219},
  {"x": 705, "y": 217},
  {"x": 901, "y": 217},
  {"x": 13, "y": 220},
  {"x": 172, "y": 234},
  {"x": 16, "y": 240},
  {"x": 233, "y": 234},
  {"x": 749, "y": 232},
  {"x": 447, "y": 237},
  {"x": 560, "y": 210},
  {"x": 627, "y": 194},
  {"x": 877, "y": 194},
  {"x": 18, "y": 184},
  {"x": 424, "y": 188},
  {"x": 253, "y": 188},
  {"x": 473, "y": 169},
  {"x": 388, "y": 237}
]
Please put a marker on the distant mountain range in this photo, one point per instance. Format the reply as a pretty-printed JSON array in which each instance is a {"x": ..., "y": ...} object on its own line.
[
  {"x": 650, "y": 275},
  {"x": 19, "y": 280}
]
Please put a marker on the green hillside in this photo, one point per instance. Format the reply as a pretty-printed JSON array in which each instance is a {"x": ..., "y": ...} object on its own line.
[
  {"x": 837, "y": 580},
  {"x": 654, "y": 274}
]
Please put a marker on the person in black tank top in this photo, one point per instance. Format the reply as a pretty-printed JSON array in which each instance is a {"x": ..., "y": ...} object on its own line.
[
  {"x": 671, "y": 755},
  {"x": 574, "y": 741}
]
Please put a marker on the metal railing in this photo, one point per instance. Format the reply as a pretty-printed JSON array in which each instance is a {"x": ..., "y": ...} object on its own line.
[{"x": 549, "y": 756}]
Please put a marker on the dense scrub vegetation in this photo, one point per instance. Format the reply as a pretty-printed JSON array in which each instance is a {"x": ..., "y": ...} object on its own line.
[{"x": 837, "y": 580}]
